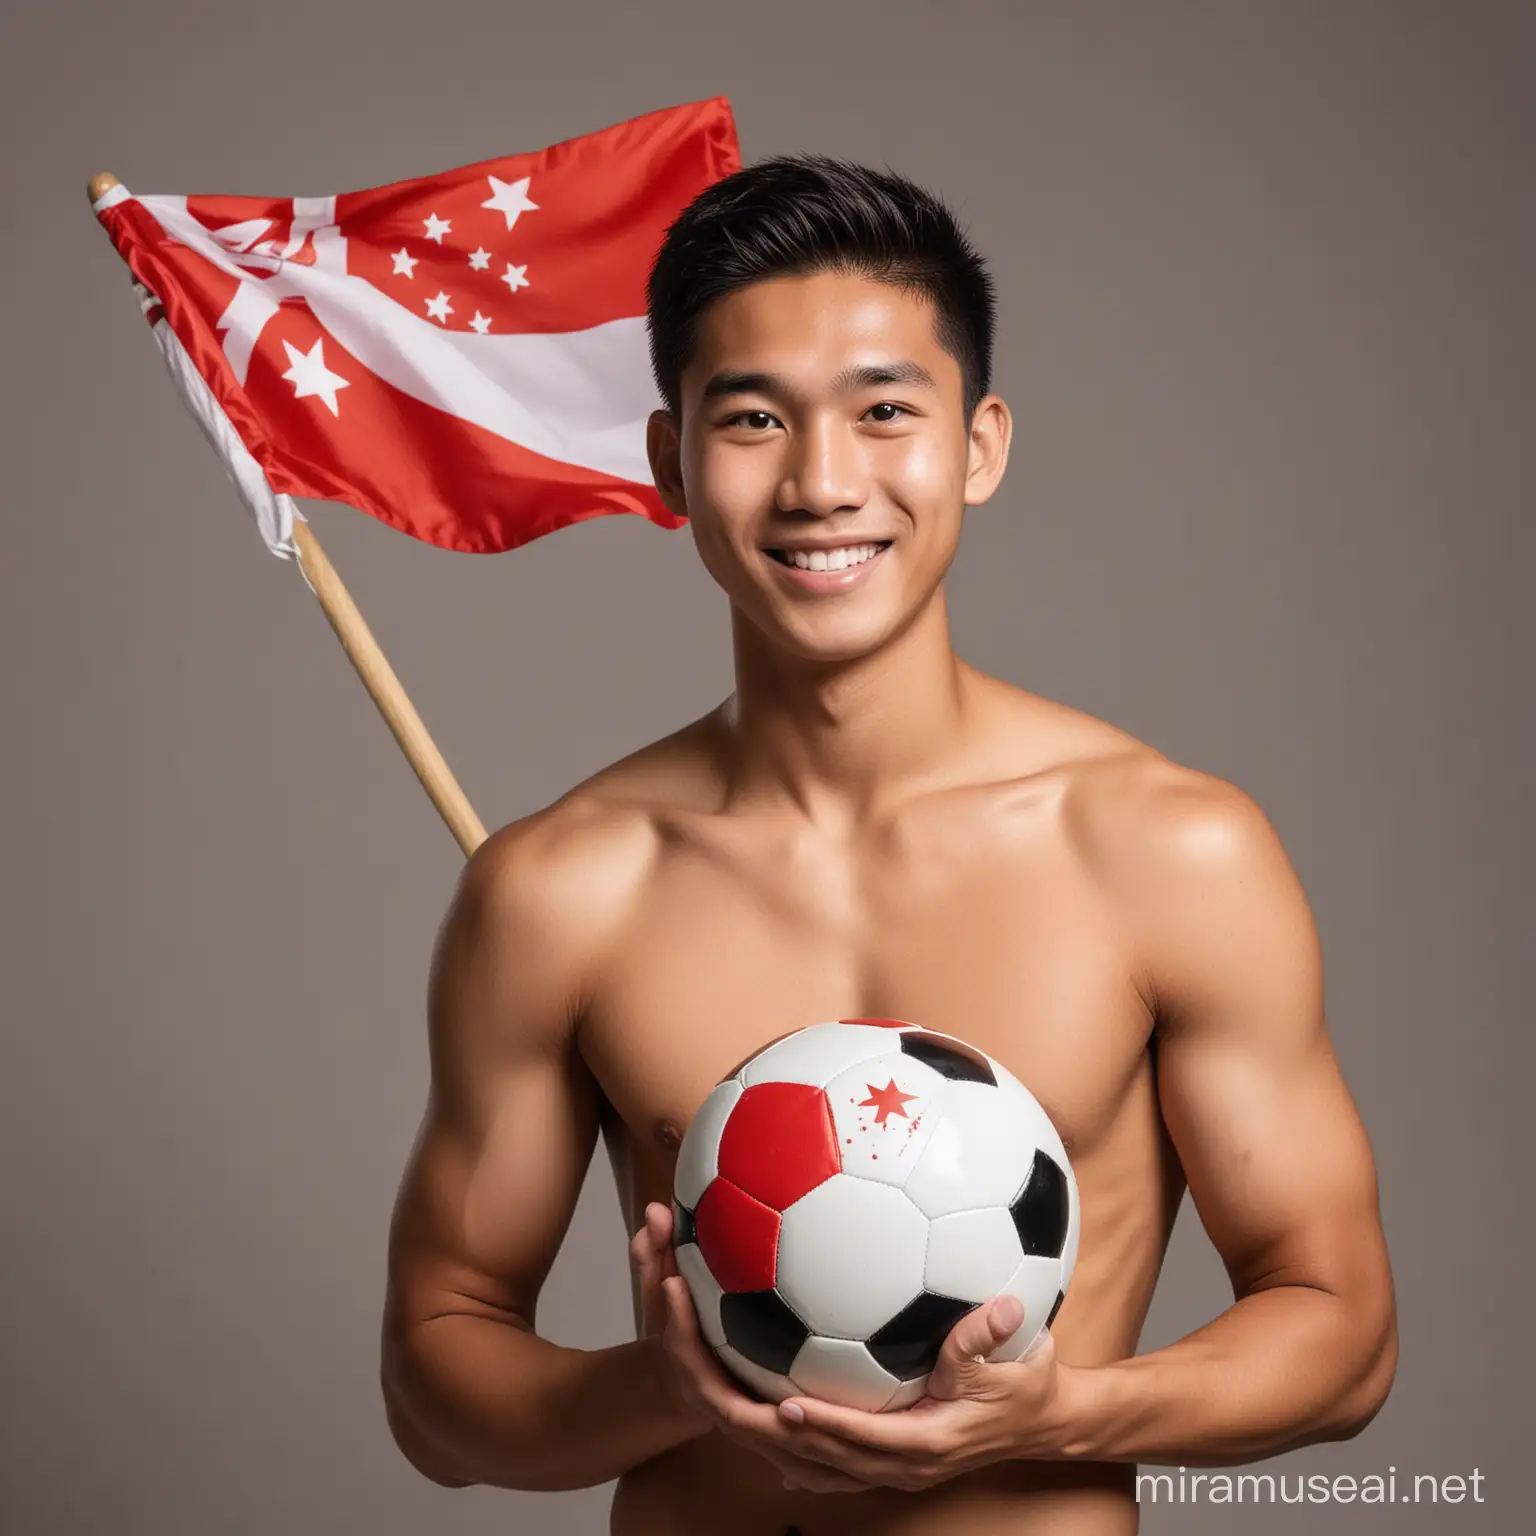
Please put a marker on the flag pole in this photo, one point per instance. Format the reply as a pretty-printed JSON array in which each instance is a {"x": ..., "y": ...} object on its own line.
[
  {"x": 386, "y": 691},
  {"x": 372, "y": 665}
]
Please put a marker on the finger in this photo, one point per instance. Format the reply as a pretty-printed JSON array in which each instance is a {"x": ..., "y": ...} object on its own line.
[
  {"x": 658, "y": 1220},
  {"x": 827, "y": 1430},
  {"x": 688, "y": 1347},
  {"x": 651, "y": 1268},
  {"x": 659, "y": 1225},
  {"x": 759, "y": 1424},
  {"x": 642, "y": 1255},
  {"x": 811, "y": 1462},
  {"x": 871, "y": 1466},
  {"x": 963, "y": 1355},
  {"x": 983, "y": 1328},
  {"x": 816, "y": 1476}
]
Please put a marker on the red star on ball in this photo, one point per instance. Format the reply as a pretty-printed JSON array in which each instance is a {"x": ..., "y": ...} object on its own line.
[{"x": 889, "y": 1099}]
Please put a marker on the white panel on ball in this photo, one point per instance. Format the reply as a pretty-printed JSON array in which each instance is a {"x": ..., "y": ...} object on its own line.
[
  {"x": 775, "y": 1388},
  {"x": 885, "y": 1109},
  {"x": 851, "y": 1256},
  {"x": 906, "y": 1394},
  {"x": 973, "y": 1254},
  {"x": 979, "y": 1152},
  {"x": 1035, "y": 1282},
  {"x": 699, "y": 1156},
  {"x": 1074, "y": 1226},
  {"x": 1032, "y": 1113},
  {"x": 816, "y": 1054},
  {"x": 705, "y": 1291},
  {"x": 842, "y": 1371}
]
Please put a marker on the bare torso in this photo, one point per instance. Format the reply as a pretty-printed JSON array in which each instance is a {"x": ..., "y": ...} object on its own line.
[{"x": 975, "y": 909}]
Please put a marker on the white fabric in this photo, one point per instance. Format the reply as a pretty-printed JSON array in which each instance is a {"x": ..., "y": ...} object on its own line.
[
  {"x": 274, "y": 512},
  {"x": 581, "y": 397}
]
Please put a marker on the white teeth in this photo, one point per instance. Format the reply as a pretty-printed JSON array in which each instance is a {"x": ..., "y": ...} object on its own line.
[{"x": 835, "y": 560}]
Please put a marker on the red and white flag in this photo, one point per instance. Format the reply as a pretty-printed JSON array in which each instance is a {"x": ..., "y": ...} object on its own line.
[{"x": 462, "y": 355}]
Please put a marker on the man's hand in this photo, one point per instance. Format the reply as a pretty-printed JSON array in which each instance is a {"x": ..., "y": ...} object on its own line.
[
  {"x": 654, "y": 1259},
  {"x": 700, "y": 1384},
  {"x": 975, "y": 1413}
]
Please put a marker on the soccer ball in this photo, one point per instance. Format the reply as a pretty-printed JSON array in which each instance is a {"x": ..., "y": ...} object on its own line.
[{"x": 848, "y": 1194}]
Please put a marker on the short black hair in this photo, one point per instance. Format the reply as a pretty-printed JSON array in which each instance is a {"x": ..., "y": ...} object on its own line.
[{"x": 797, "y": 214}]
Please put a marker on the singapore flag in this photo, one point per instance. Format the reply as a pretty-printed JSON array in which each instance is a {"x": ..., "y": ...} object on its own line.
[{"x": 461, "y": 355}]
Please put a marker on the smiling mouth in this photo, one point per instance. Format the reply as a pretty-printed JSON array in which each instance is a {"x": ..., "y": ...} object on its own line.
[{"x": 842, "y": 559}]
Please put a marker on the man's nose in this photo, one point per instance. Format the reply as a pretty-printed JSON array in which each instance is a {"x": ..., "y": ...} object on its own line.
[{"x": 826, "y": 472}]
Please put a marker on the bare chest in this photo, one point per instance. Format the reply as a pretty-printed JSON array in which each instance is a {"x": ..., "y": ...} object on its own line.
[{"x": 979, "y": 921}]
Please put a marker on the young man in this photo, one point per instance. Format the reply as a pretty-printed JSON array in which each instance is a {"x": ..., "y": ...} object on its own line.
[{"x": 869, "y": 826}]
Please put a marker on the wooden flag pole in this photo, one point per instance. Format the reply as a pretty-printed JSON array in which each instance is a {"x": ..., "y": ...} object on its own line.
[{"x": 373, "y": 666}]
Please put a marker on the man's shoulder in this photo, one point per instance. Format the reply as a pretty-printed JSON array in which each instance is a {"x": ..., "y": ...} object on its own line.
[
  {"x": 1139, "y": 815},
  {"x": 1135, "y": 817},
  {"x": 582, "y": 861},
  {"x": 1188, "y": 862}
]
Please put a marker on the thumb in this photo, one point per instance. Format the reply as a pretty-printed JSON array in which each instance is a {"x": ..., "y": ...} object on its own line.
[{"x": 963, "y": 1358}]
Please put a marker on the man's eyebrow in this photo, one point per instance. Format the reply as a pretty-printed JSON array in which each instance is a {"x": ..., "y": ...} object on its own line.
[
  {"x": 872, "y": 375},
  {"x": 732, "y": 381}
]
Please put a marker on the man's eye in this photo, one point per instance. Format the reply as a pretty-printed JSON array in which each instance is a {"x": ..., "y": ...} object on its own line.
[
  {"x": 888, "y": 406},
  {"x": 754, "y": 421}
]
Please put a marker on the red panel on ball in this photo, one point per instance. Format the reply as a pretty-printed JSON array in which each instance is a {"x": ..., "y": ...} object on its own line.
[
  {"x": 882, "y": 1023},
  {"x": 738, "y": 1236},
  {"x": 779, "y": 1142}
]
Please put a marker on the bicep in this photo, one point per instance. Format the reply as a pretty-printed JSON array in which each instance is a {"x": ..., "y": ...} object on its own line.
[
  {"x": 1276, "y": 1156},
  {"x": 511, "y": 1117}
]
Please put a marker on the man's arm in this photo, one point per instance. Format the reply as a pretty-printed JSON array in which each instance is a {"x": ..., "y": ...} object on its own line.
[
  {"x": 473, "y": 1394},
  {"x": 1278, "y": 1163}
]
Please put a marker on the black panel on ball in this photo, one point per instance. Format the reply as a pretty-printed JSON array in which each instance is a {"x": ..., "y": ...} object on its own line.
[
  {"x": 1039, "y": 1210},
  {"x": 947, "y": 1056},
  {"x": 1061, "y": 1296},
  {"x": 908, "y": 1346},
  {"x": 683, "y": 1229},
  {"x": 761, "y": 1326}
]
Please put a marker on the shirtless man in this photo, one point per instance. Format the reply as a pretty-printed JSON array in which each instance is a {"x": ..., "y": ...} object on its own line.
[{"x": 869, "y": 826}]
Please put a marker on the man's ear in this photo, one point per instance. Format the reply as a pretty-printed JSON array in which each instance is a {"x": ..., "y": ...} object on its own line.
[
  {"x": 987, "y": 452},
  {"x": 664, "y": 448}
]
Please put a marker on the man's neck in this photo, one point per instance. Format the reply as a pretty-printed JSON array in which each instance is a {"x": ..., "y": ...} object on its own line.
[{"x": 842, "y": 743}]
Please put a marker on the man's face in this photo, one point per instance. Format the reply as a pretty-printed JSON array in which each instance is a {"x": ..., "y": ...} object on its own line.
[{"x": 823, "y": 424}]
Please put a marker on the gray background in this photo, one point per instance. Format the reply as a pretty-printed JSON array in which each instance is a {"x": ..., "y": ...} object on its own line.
[{"x": 1267, "y": 331}]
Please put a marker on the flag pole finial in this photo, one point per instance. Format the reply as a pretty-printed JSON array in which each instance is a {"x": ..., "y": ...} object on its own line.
[{"x": 99, "y": 185}]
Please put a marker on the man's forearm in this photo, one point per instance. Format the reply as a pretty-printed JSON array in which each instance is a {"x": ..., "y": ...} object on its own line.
[
  {"x": 1280, "y": 1368},
  {"x": 498, "y": 1405}
]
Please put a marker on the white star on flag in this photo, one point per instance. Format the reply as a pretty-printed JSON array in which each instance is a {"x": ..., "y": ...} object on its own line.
[
  {"x": 439, "y": 308},
  {"x": 480, "y": 259},
  {"x": 515, "y": 277},
  {"x": 403, "y": 263},
  {"x": 510, "y": 198},
  {"x": 310, "y": 376},
  {"x": 436, "y": 227},
  {"x": 481, "y": 323}
]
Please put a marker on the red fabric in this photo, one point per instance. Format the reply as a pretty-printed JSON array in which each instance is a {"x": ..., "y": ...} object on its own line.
[{"x": 604, "y": 201}]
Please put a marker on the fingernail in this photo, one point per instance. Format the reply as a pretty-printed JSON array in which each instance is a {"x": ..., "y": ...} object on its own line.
[
  {"x": 1008, "y": 1312},
  {"x": 793, "y": 1412}
]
